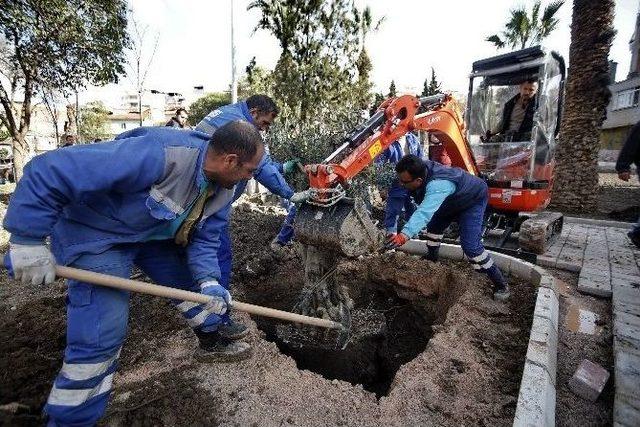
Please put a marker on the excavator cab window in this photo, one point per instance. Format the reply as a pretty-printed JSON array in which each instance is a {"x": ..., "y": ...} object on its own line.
[{"x": 511, "y": 140}]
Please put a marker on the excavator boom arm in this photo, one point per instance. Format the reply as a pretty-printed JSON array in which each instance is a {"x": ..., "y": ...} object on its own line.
[{"x": 395, "y": 118}]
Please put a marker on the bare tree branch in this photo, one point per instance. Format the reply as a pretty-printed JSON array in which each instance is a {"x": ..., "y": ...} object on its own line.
[{"x": 6, "y": 104}]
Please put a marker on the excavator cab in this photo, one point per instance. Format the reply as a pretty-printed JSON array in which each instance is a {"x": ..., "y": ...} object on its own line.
[{"x": 513, "y": 145}]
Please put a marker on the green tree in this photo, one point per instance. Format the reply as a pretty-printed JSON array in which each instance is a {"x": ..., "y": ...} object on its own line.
[
  {"x": 94, "y": 122},
  {"x": 257, "y": 80},
  {"x": 321, "y": 42},
  {"x": 392, "y": 89},
  {"x": 206, "y": 104},
  {"x": 363, "y": 84},
  {"x": 431, "y": 87},
  {"x": 60, "y": 44},
  {"x": 523, "y": 28}
]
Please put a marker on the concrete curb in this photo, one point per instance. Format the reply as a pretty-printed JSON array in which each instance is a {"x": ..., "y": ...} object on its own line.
[
  {"x": 537, "y": 396},
  {"x": 599, "y": 222}
]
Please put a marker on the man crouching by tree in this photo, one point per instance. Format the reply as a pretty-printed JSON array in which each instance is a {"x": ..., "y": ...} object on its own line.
[{"x": 157, "y": 198}]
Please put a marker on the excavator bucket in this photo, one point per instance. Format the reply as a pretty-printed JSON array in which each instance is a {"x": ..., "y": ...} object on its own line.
[{"x": 345, "y": 228}]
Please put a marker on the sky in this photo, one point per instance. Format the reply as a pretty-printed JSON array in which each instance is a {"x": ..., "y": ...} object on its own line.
[{"x": 194, "y": 39}]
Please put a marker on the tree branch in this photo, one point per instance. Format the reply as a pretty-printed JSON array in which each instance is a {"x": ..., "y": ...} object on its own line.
[{"x": 8, "y": 117}]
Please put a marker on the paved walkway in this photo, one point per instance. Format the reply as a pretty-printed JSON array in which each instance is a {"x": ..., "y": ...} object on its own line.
[{"x": 609, "y": 267}]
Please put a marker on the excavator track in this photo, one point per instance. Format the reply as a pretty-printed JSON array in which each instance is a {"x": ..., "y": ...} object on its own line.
[{"x": 537, "y": 233}]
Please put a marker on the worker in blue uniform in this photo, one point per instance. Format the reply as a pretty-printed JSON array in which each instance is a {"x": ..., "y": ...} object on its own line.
[
  {"x": 157, "y": 198},
  {"x": 398, "y": 201},
  {"x": 443, "y": 195},
  {"x": 260, "y": 111}
]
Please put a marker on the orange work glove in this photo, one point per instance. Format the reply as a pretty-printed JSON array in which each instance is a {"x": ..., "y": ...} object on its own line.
[{"x": 395, "y": 241}]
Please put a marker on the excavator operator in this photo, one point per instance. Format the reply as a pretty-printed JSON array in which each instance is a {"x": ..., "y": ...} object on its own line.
[{"x": 517, "y": 115}]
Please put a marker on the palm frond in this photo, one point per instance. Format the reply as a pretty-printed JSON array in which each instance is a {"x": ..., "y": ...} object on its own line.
[
  {"x": 496, "y": 40},
  {"x": 551, "y": 10}
]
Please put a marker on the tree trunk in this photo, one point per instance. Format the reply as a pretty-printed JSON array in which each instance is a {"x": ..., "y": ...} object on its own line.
[
  {"x": 587, "y": 96},
  {"x": 20, "y": 152}
]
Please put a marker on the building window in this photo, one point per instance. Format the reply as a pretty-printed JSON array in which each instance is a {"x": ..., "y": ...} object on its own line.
[{"x": 627, "y": 98}]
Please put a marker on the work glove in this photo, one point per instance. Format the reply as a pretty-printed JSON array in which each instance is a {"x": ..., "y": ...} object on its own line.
[
  {"x": 300, "y": 196},
  {"x": 220, "y": 302},
  {"x": 33, "y": 264},
  {"x": 395, "y": 241},
  {"x": 291, "y": 166}
]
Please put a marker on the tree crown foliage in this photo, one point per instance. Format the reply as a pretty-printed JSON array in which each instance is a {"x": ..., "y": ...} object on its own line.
[
  {"x": 93, "y": 123},
  {"x": 207, "y": 103},
  {"x": 524, "y": 29}
]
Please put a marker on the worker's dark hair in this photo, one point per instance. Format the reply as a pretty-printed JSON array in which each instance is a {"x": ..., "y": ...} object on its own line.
[
  {"x": 181, "y": 109},
  {"x": 263, "y": 103},
  {"x": 236, "y": 137},
  {"x": 412, "y": 165},
  {"x": 529, "y": 80}
]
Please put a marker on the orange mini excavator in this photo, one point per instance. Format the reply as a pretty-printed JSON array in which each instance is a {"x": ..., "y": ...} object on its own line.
[{"x": 517, "y": 168}]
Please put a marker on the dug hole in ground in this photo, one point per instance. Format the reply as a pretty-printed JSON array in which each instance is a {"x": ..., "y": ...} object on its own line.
[{"x": 428, "y": 347}]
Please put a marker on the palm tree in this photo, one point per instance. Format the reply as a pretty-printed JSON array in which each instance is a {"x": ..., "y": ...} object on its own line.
[
  {"x": 587, "y": 96},
  {"x": 523, "y": 28}
]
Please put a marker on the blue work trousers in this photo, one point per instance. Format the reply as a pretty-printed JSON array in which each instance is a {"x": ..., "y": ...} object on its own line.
[
  {"x": 398, "y": 204},
  {"x": 286, "y": 231},
  {"x": 97, "y": 324},
  {"x": 470, "y": 223},
  {"x": 225, "y": 257}
]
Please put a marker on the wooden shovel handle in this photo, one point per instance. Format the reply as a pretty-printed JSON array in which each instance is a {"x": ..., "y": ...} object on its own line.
[{"x": 167, "y": 292}]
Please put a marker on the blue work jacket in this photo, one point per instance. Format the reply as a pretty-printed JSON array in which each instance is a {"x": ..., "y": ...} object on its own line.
[
  {"x": 393, "y": 153},
  {"x": 269, "y": 172},
  {"x": 88, "y": 198}
]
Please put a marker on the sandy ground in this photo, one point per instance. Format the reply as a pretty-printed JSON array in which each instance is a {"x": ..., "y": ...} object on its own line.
[
  {"x": 584, "y": 333},
  {"x": 468, "y": 373},
  {"x": 617, "y": 199}
]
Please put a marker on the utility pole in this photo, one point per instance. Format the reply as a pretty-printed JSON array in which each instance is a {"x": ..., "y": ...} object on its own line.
[{"x": 234, "y": 79}]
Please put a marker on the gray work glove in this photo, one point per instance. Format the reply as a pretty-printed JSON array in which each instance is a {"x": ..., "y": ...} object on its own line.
[
  {"x": 220, "y": 301},
  {"x": 300, "y": 196},
  {"x": 33, "y": 264}
]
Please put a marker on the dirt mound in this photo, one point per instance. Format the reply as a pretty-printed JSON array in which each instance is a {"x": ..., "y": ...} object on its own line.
[
  {"x": 33, "y": 338},
  {"x": 464, "y": 366}
]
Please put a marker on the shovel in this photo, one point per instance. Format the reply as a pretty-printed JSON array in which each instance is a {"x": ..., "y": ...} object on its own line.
[
  {"x": 167, "y": 292},
  {"x": 180, "y": 294}
]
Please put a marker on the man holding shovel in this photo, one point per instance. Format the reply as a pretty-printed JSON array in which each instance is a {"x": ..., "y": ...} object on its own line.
[{"x": 157, "y": 198}]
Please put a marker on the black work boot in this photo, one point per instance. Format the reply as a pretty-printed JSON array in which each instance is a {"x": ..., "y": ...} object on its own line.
[
  {"x": 233, "y": 330},
  {"x": 501, "y": 293},
  {"x": 215, "y": 348},
  {"x": 635, "y": 238}
]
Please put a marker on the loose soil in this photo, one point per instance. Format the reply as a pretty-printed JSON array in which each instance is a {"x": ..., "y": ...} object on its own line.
[
  {"x": 618, "y": 200},
  {"x": 459, "y": 353},
  {"x": 575, "y": 346}
]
